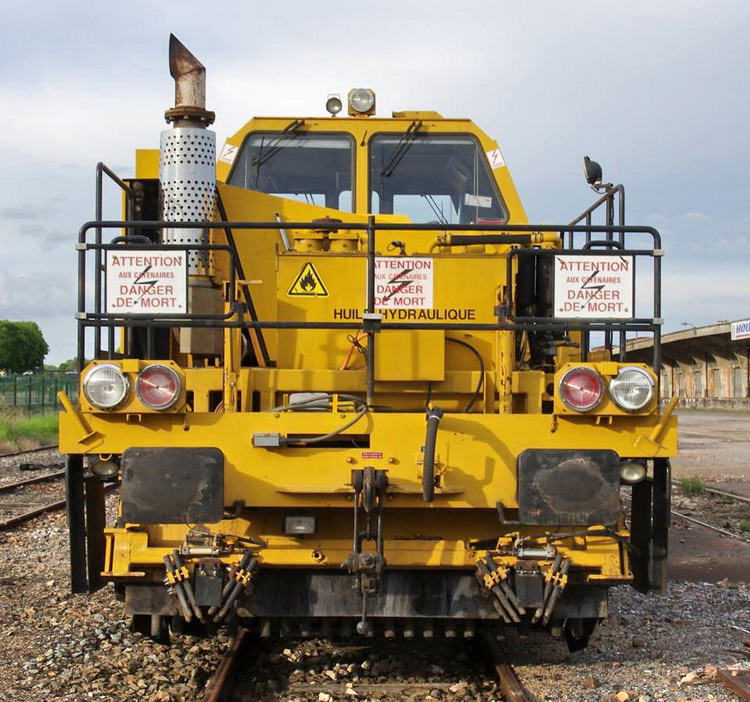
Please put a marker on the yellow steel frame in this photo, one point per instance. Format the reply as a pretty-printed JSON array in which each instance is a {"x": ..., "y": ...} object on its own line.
[{"x": 476, "y": 453}]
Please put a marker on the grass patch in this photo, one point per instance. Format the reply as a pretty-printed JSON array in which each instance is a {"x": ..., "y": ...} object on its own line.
[
  {"x": 692, "y": 486},
  {"x": 19, "y": 432},
  {"x": 745, "y": 525}
]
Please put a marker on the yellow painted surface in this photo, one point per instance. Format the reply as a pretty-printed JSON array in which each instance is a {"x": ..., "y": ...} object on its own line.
[
  {"x": 477, "y": 452},
  {"x": 323, "y": 279}
]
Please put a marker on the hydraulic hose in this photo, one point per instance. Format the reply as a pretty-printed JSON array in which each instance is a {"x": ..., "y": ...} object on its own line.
[
  {"x": 480, "y": 360},
  {"x": 361, "y": 412},
  {"x": 434, "y": 415},
  {"x": 472, "y": 239}
]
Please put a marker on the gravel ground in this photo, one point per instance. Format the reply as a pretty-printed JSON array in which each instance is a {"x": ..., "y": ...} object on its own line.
[
  {"x": 647, "y": 648},
  {"x": 63, "y": 647},
  {"x": 717, "y": 510},
  {"x": 10, "y": 473},
  {"x": 713, "y": 445},
  {"x": 320, "y": 671}
]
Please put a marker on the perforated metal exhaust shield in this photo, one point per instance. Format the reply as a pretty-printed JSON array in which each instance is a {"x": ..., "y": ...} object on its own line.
[{"x": 187, "y": 172}]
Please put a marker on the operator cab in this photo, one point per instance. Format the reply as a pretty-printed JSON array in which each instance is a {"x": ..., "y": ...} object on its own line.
[{"x": 418, "y": 168}]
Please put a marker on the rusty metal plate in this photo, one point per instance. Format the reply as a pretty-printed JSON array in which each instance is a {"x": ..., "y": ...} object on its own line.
[
  {"x": 568, "y": 487},
  {"x": 172, "y": 485}
]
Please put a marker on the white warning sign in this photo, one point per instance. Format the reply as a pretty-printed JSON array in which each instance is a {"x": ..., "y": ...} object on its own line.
[
  {"x": 594, "y": 287},
  {"x": 228, "y": 153},
  {"x": 140, "y": 281},
  {"x": 496, "y": 159},
  {"x": 404, "y": 282}
]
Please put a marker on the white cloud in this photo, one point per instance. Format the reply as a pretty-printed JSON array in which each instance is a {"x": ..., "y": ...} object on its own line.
[
  {"x": 697, "y": 217},
  {"x": 644, "y": 88}
]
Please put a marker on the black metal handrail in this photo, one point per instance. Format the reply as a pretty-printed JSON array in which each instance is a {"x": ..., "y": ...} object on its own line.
[
  {"x": 236, "y": 319},
  {"x": 101, "y": 171}
]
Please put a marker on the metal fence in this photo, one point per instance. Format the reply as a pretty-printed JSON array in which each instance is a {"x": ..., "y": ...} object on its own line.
[{"x": 36, "y": 392}]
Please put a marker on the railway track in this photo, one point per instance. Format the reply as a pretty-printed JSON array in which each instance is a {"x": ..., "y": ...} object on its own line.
[
  {"x": 721, "y": 493},
  {"x": 25, "y": 499},
  {"x": 25, "y": 451},
  {"x": 231, "y": 682},
  {"x": 707, "y": 514}
]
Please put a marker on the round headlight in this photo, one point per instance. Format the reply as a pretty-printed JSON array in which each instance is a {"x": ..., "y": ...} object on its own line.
[
  {"x": 632, "y": 471},
  {"x": 158, "y": 387},
  {"x": 361, "y": 100},
  {"x": 105, "y": 386},
  {"x": 581, "y": 389},
  {"x": 105, "y": 468},
  {"x": 333, "y": 104},
  {"x": 632, "y": 389}
]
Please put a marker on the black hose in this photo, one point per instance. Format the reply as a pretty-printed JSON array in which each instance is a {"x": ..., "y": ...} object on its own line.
[
  {"x": 361, "y": 412},
  {"x": 480, "y": 384},
  {"x": 471, "y": 239},
  {"x": 428, "y": 469}
]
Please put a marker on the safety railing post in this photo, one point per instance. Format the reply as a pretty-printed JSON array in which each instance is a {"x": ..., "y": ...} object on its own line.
[{"x": 370, "y": 309}]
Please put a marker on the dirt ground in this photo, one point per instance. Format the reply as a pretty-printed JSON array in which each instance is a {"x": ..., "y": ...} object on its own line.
[{"x": 715, "y": 447}]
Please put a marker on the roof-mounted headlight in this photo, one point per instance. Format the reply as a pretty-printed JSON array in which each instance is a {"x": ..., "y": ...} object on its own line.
[
  {"x": 333, "y": 105},
  {"x": 361, "y": 102},
  {"x": 106, "y": 386},
  {"x": 632, "y": 389}
]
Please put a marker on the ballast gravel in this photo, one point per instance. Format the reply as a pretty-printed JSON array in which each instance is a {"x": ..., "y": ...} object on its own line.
[
  {"x": 42, "y": 463},
  {"x": 58, "y": 646}
]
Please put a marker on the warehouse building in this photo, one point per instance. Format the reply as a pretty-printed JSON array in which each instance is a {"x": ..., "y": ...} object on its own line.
[{"x": 706, "y": 367}]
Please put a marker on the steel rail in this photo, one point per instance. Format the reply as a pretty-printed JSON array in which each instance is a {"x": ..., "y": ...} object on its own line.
[
  {"x": 25, "y": 451},
  {"x": 36, "y": 511},
  {"x": 218, "y": 685},
  {"x": 705, "y": 525},
  {"x": 723, "y": 493},
  {"x": 711, "y": 527},
  {"x": 32, "y": 481},
  {"x": 509, "y": 683},
  {"x": 738, "y": 681},
  {"x": 19, "y": 518}
]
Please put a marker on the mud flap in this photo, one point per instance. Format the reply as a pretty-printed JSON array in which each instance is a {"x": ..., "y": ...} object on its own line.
[{"x": 172, "y": 485}]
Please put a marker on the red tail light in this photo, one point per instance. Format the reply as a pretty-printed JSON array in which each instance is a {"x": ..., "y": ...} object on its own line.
[
  {"x": 581, "y": 389},
  {"x": 158, "y": 387}
]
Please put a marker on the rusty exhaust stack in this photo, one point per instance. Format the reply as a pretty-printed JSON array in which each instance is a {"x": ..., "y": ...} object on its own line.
[{"x": 189, "y": 88}]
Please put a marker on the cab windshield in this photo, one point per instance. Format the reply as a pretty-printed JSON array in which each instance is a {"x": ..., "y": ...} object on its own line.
[
  {"x": 433, "y": 178},
  {"x": 312, "y": 168}
]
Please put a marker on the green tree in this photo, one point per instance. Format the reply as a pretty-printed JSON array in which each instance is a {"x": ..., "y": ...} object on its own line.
[
  {"x": 22, "y": 346},
  {"x": 70, "y": 365}
]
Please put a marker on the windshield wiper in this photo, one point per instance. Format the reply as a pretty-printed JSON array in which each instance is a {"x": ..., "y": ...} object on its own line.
[
  {"x": 404, "y": 144},
  {"x": 274, "y": 146},
  {"x": 435, "y": 208}
]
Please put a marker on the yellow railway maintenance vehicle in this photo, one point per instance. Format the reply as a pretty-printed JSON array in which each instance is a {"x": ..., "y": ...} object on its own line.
[{"x": 343, "y": 383}]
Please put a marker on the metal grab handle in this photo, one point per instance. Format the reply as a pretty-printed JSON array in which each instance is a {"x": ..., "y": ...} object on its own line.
[
  {"x": 603, "y": 242},
  {"x": 428, "y": 469}
]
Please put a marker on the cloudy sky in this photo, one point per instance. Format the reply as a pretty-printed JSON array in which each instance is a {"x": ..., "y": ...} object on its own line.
[{"x": 657, "y": 92}]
